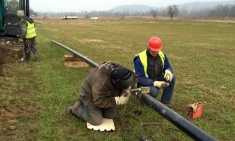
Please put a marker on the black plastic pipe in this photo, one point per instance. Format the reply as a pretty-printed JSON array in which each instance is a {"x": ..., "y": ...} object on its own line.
[
  {"x": 87, "y": 60},
  {"x": 180, "y": 122}
]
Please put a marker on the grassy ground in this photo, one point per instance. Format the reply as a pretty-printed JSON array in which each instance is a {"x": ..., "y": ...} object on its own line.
[{"x": 34, "y": 95}]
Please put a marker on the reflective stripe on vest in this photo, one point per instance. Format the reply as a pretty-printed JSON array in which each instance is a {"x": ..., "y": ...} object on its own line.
[
  {"x": 31, "y": 32},
  {"x": 143, "y": 59}
]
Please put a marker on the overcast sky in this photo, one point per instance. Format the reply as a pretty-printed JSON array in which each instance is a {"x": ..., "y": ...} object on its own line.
[{"x": 99, "y": 5}]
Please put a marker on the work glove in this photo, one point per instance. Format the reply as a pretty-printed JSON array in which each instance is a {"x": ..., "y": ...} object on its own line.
[
  {"x": 126, "y": 92},
  {"x": 124, "y": 97},
  {"x": 121, "y": 100},
  {"x": 168, "y": 75},
  {"x": 160, "y": 84},
  {"x": 20, "y": 40}
]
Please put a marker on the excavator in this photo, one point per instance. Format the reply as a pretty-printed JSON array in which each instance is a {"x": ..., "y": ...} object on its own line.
[
  {"x": 9, "y": 27},
  {"x": 10, "y": 45}
]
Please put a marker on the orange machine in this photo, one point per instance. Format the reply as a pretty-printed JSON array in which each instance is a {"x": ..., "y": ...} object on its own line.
[{"x": 194, "y": 110}]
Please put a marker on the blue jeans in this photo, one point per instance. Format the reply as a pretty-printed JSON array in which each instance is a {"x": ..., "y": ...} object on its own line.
[{"x": 167, "y": 92}]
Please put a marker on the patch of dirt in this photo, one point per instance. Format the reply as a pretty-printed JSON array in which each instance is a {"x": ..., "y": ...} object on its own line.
[
  {"x": 13, "y": 118},
  {"x": 8, "y": 54},
  {"x": 18, "y": 113},
  {"x": 2, "y": 60}
]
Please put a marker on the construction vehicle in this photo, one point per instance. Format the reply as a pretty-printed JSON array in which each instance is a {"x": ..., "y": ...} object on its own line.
[
  {"x": 69, "y": 17},
  {"x": 9, "y": 25}
]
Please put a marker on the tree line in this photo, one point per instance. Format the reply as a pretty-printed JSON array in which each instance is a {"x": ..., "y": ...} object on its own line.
[{"x": 219, "y": 11}]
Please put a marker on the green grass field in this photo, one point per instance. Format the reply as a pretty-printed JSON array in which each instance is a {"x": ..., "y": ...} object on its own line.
[{"x": 35, "y": 95}]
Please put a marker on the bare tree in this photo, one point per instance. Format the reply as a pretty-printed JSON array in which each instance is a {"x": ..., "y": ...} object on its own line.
[
  {"x": 232, "y": 11},
  {"x": 219, "y": 11},
  {"x": 183, "y": 12},
  {"x": 154, "y": 13},
  {"x": 33, "y": 13},
  {"x": 87, "y": 16},
  {"x": 44, "y": 17},
  {"x": 172, "y": 10}
]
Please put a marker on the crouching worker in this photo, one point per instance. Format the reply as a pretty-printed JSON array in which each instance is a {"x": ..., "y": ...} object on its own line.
[
  {"x": 154, "y": 70},
  {"x": 105, "y": 87}
]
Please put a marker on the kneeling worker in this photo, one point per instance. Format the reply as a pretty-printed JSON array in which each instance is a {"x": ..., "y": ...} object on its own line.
[{"x": 105, "y": 87}]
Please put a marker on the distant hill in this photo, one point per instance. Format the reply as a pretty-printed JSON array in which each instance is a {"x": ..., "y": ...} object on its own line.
[
  {"x": 145, "y": 8},
  {"x": 205, "y": 4}
]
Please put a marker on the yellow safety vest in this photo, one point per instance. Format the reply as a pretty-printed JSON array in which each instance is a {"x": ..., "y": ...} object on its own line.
[
  {"x": 143, "y": 59},
  {"x": 31, "y": 31}
]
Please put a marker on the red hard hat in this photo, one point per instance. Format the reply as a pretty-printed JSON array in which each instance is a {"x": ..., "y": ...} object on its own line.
[{"x": 155, "y": 44}]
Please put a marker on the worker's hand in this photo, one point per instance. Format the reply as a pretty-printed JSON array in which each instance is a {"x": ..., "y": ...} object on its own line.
[
  {"x": 121, "y": 100},
  {"x": 20, "y": 40},
  {"x": 160, "y": 84},
  {"x": 18, "y": 36},
  {"x": 124, "y": 97},
  {"x": 126, "y": 92},
  {"x": 168, "y": 75}
]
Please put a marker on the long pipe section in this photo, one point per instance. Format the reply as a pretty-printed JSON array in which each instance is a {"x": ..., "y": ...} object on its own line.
[
  {"x": 180, "y": 122},
  {"x": 87, "y": 60}
]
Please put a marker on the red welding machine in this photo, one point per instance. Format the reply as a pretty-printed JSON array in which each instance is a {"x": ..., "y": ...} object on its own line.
[{"x": 194, "y": 110}]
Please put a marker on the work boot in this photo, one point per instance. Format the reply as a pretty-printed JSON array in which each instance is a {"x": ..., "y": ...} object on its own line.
[
  {"x": 73, "y": 107},
  {"x": 144, "y": 138},
  {"x": 36, "y": 56},
  {"x": 166, "y": 103},
  {"x": 36, "y": 59},
  {"x": 26, "y": 58}
]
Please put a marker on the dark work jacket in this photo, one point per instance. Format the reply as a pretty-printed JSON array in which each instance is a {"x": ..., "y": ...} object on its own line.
[{"x": 97, "y": 88}]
